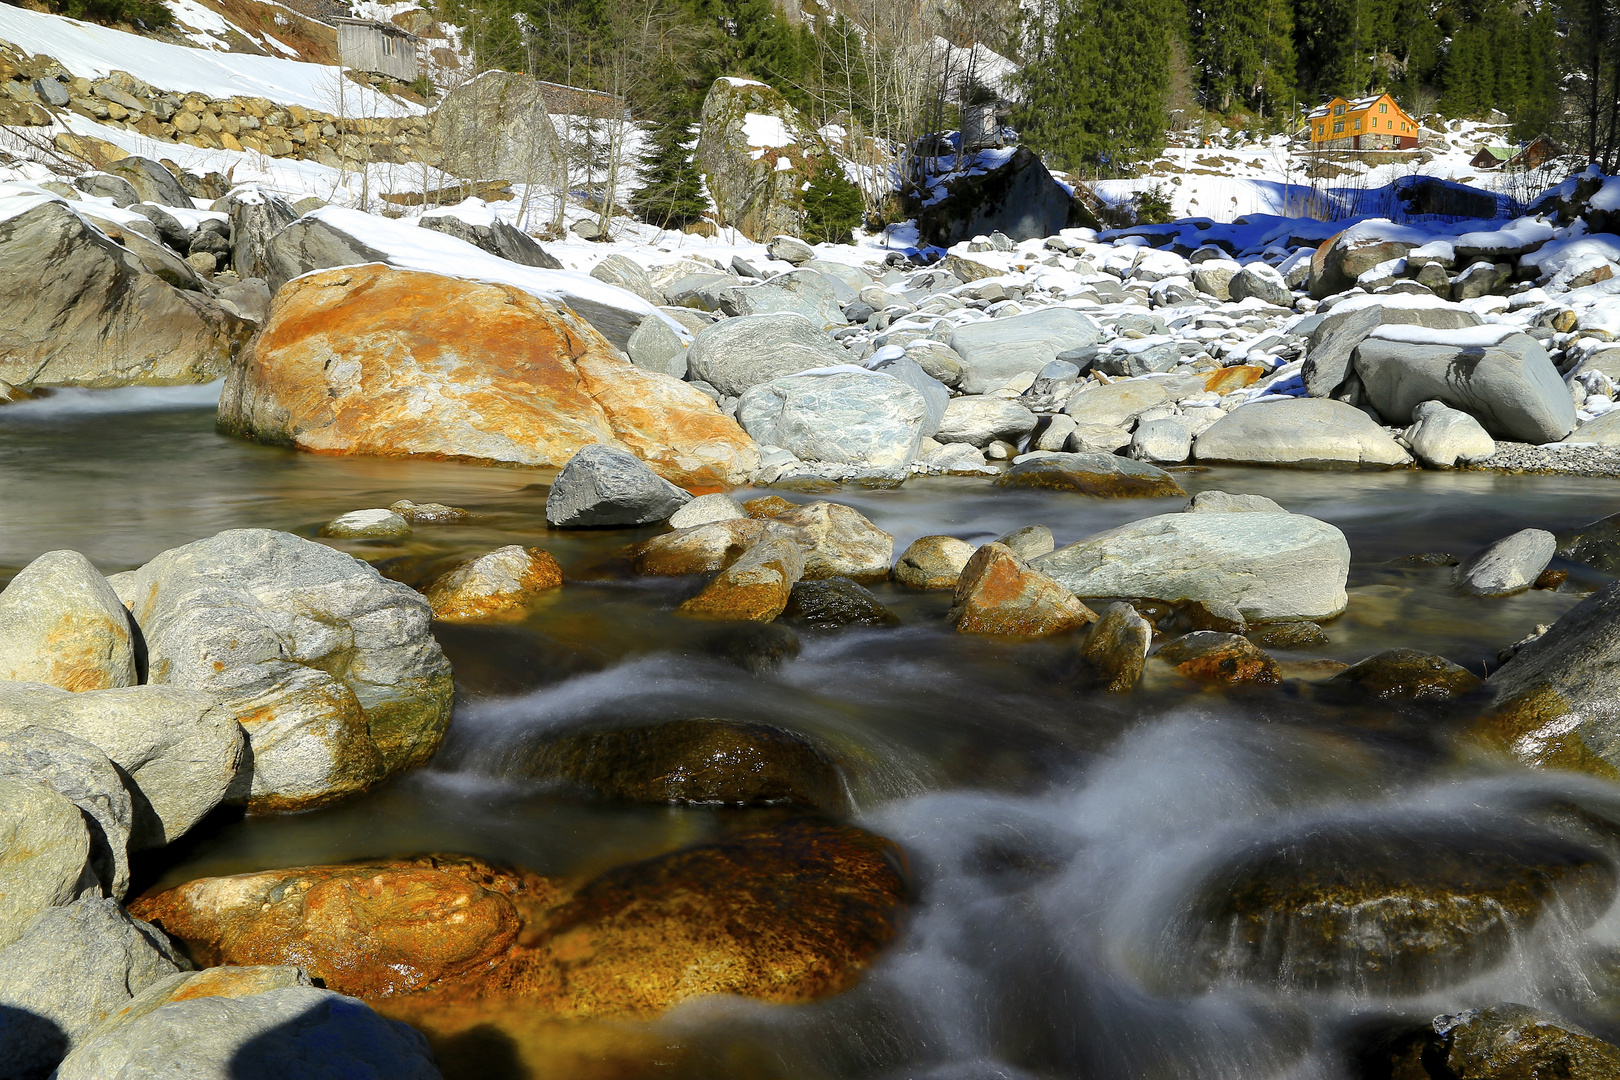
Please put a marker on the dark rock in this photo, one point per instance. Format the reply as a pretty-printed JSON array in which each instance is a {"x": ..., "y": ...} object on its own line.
[
  {"x": 1432, "y": 195},
  {"x": 1289, "y": 635},
  {"x": 505, "y": 661},
  {"x": 1019, "y": 198},
  {"x": 1505, "y": 1041},
  {"x": 709, "y": 761},
  {"x": 1405, "y": 675},
  {"x": 1115, "y": 651},
  {"x": 1596, "y": 545},
  {"x": 753, "y": 646},
  {"x": 832, "y": 603},
  {"x": 497, "y": 238},
  {"x": 603, "y": 486}
]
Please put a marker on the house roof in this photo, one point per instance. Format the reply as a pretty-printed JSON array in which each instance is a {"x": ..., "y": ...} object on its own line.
[
  {"x": 380, "y": 27},
  {"x": 1500, "y": 153},
  {"x": 1351, "y": 105}
]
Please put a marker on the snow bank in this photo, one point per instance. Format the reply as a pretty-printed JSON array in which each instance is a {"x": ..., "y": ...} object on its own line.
[
  {"x": 1468, "y": 337},
  {"x": 94, "y": 52}
]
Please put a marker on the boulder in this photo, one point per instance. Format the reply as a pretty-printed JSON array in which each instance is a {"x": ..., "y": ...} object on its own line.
[
  {"x": 980, "y": 421},
  {"x": 502, "y": 582},
  {"x": 1305, "y": 432},
  {"x": 106, "y": 186},
  {"x": 715, "y": 506},
  {"x": 501, "y": 240},
  {"x": 61, "y": 624},
  {"x": 655, "y": 346},
  {"x": 1224, "y": 502},
  {"x": 1016, "y": 197},
  {"x": 839, "y": 541},
  {"x": 935, "y": 394},
  {"x": 834, "y": 604},
  {"x": 756, "y": 153},
  {"x": 1503, "y": 378},
  {"x": 82, "y": 774},
  {"x": 790, "y": 249},
  {"x": 1030, "y": 542},
  {"x": 938, "y": 361},
  {"x": 629, "y": 275},
  {"x": 92, "y": 314},
  {"x": 1116, "y": 648},
  {"x": 311, "y": 243},
  {"x": 1165, "y": 441},
  {"x": 994, "y": 350},
  {"x": 1262, "y": 282},
  {"x": 1344, "y": 257},
  {"x": 756, "y": 587},
  {"x": 151, "y": 181},
  {"x": 257, "y": 217},
  {"x": 1499, "y": 1042},
  {"x": 495, "y": 126},
  {"x": 349, "y": 356},
  {"x": 733, "y": 355},
  {"x": 1273, "y": 567},
  {"x": 173, "y": 1030},
  {"x": 1114, "y": 405},
  {"x": 1213, "y": 656},
  {"x": 1440, "y": 436},
  {"x": 699, "y": 549},
  {"x": 330, "y": 667},
  {"x": 850, "y": 416},
  {"x": 998, "y": 593},
  {"x": 935, "y": 562},
  {"x": 179, "y": 749},
  {"x": 44, "y": 854},
  {"x": 804, "y": 292},
  {"x": 702, "y": 761},
  {"x": 1404, "y": 675},
  {"x": 1557, "y": 701},
  {"x": 71, "y": 968},
  {"x": 605, "y": 486},
  {"x": 1510, "y": 565},
  {"x": 1091, "y": 473},
  {"x": 1330, "y": 347}
]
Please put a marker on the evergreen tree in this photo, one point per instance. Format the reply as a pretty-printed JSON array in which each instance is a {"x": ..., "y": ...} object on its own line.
[
  {"x": 1244, "y": 50},
  {"x": 1332, "y": 43},
  {"x": 832, "y": 205},
  {"x": 671, "y": 191},
  {"x": 1095, "y": 88}
]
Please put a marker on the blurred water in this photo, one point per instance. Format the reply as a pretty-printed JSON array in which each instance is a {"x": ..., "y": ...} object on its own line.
[{"x": 1055, "y": 836}]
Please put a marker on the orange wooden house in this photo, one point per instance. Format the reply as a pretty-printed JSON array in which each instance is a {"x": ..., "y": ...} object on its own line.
[{"x": 1369, "y": 123}]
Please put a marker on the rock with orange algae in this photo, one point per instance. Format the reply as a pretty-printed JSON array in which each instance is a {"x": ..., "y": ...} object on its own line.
[
  {"x": 839, "y": 541},
  {"x": 1235, "y": 377},
  {"x": 768, "y": 506},
  {"x": 364, "y": 930},
  {"x": 373, "y": 360},
  {"x": 756, "y": 587},
  {"x": 700, "y": 549},
  {"x": 1211, "y": 656},
  {"x": 498, "y": 583},
  {"x": 999, "y": 594}
]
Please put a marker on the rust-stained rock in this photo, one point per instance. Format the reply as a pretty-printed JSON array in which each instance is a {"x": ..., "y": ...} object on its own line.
[
  {"x": 700, "y": 549},
  {"x": 932, "y": 562},
  {"x": 62, "y": 624},
  {"x": 1211, "y": 656},
  {"x": 373, "y": 360},
  {"x": 999, "y": 594},
  {"x": 366, "y": 931},
  {"x": 1104, "y": 475},
  {"x": 1232, "y": 378},
  {"x": 756, "y": 587},
  {"x": 768, "y": 506},
  {"x": 1405, "y": 675},
  {"x": 838, "y": 541},
  {"x": 786, "y": 914},
  {"x": 1115, "y": 651},
  {"x": 501, "y": 582},
  {"x": 703, "y": 760}
]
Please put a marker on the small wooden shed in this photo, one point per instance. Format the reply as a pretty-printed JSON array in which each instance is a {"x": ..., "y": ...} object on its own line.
[{"x": 378, "y": 47}]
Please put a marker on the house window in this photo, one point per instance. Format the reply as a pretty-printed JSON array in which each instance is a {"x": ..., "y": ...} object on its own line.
[
  {"x": 1358, "y": 125},
  {"x": 1321, "y": 129},
  {"x": 1338, "y": 110},
  {"x": 1338, "y": 126},
  {"x": 388, "y": 46},
  {"x": 1383, "y": 108}
]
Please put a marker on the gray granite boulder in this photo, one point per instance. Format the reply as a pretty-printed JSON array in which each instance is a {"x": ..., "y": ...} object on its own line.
[
  {"x": 44, "y": 853},
  {"x": 82, "y": 774},
  {"x": 604, "y": 486},
  {"x": 804, "y": 292},
  {"x": 981, "y": 420},
  {"x": 1309, "y": 432},
  {"x": 1273, "y": 567},
  {"x": 257, "y": 217},
  {"x": 506, "y": 242},
  {"x": 1508, "y": 566},
  {"x": 849, "y": 415},
  {"x": 994, "y": 350},
  {"x": 656, "y": 346},
  {"x": 935, "y": 394},
  {"x": 735, "y": 354},
  {"x": 61, "y": 623},
  {"x": 1441, "y": 436},
  {"x": 1335, "y": 337}
]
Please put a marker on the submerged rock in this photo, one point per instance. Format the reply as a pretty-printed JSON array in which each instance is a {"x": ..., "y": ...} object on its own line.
[
  {"x": 1511, "y": 565},
  {"x": 700, "y": 549},
  {"x": 1505, "y": 1041},
  {"x": 62, "y": 624},
  {"x": 835, "y": 603},
  {"x": 1379, "y": 908},
  {"x": 998, "y": 593},
  {"x": 367, "y": 524},
  {"x": 1115, "y": 651},
  {"x": 1211, "y": 656},
  {"x": 1405, "y": 675},
  {"x": 1097, "y": 474},
  {"x": 704, "y": 761}
]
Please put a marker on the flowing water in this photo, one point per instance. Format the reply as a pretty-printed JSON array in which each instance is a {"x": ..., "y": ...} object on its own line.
[{"x": 1064, "y": 845}]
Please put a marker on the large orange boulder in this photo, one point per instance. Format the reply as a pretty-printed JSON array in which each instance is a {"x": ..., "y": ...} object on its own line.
[{"x": 374, "y": 360}]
